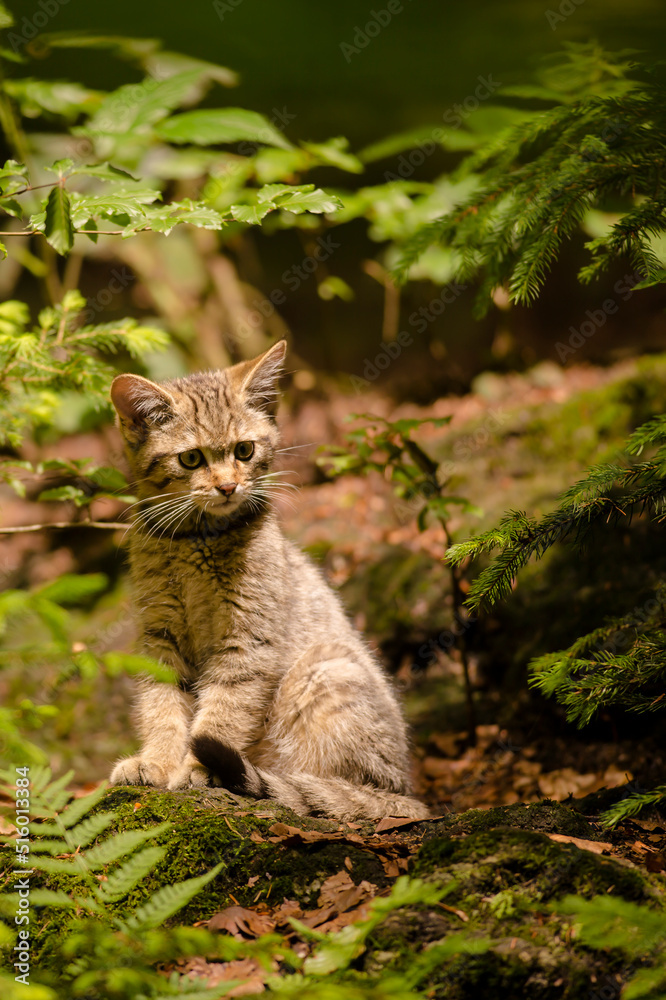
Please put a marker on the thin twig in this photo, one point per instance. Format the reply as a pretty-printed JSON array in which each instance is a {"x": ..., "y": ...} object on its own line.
[{"x": 109, "y": 525}]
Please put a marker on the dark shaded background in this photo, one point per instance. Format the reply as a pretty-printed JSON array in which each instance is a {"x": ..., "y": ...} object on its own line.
[{"x": 428, "y": 58}]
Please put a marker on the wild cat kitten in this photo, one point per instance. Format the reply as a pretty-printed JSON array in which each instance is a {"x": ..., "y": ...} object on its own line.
[{"x": 278, "y": 696}]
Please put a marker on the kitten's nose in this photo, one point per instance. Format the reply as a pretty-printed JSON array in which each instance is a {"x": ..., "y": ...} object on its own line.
[{"x": 226, "y": 489}]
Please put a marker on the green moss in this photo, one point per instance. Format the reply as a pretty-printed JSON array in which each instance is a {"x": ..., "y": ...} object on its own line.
[
  {"x": 503, "y": 871},
  {"x": 205, "y": 831},
  {"x": 492, "y": 861},
  {"x": 545, "y": 816}
]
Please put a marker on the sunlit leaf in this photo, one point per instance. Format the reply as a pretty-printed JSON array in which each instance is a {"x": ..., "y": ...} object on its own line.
[
  {"x": 221, "y": 125},
  {"x": 58, "y": 227}
]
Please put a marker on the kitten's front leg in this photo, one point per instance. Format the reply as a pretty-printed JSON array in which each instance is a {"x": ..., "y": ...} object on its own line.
[
  {"x": 232, "y": 709},
  {"x": 164, "y": 715}
]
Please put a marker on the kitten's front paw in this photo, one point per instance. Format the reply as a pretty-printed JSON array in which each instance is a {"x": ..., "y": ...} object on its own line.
[
  {"x": 139, "y": 771},
  {"x": 190, "y": 774}
]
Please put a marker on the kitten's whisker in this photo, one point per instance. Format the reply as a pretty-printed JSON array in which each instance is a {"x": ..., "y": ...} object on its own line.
[
  {"x": 272, "y": 477},
  {"x": 278, "y": 472},
  {"x": 177, "y": 526},
  {"x": 171, "y": 509},
  {"x": 274, "y": 493},
  {"x": 168, "y": 517},
  {"x": 155, "y": 496},
  {"x": 173, "y": 498},
  {"x": 175, "y": 519}
]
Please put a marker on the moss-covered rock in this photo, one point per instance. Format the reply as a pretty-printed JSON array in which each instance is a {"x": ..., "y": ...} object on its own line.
[{"x": 503, "y": 875}]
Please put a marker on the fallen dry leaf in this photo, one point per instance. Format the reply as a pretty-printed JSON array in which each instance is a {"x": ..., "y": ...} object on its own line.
[
  {"x": 595, "y": 846},
  {"x": 567, "y": 781},
  {"x": 451, "y": 909},
  {"x": 241, "y": 922},
  {"x": 287, "y": 908},
  {"x": 393, "y": 822},
  {"x": 649, "y": 824},
  {"x": 340, "y": 892},
  {"x": 248, "y": 970}
]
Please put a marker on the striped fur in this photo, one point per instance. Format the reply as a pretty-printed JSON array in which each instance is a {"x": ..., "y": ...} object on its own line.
[{"x": 278, "y": 695}]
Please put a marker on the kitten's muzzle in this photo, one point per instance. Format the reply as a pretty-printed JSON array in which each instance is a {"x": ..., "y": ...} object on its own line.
[{"x": 226, "y": 489}]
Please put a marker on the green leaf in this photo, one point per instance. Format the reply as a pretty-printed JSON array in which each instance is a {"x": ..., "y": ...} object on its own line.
[
  {"x": 51, "y": 897},
  {"x": 121, "y": 845},
  {"x": 74, "y": 589},
  {"x": 132, "y": 664},
  {"x": 57, "y": 866},
  {"x": 12, "y": 168},
  {"x": 222, "y": 125},
  {"x": 335, "y": 154},
  {"x": 125, "y": 878},
  {"x": 394, "y": 144},
  {"x": 251, "y": 214},
  {"x": 313, "y": 201},
  {"x": 122, "y": 45},
  {"x": 78, "y": 808},
  {"x": 89, "y": 228},
  {"x": 58, "y": 227},
  {"x": 136, "y": 107},
  {"x": 168, "y": 900},
  {"x": 6, "y": 19},
  {"x": 163, "y": 64},
  {"x": 658, "y": 278},
  {"x": 11, "y": 207},
  {"x": 55, "y": 97},
  {"x": 89, "y": 828},
  {"x": 105, "y": 170},
  {"x": 61, "y": 167},
  {"x": 60, "y": 493},
  {"x": 54, "y": 617}
]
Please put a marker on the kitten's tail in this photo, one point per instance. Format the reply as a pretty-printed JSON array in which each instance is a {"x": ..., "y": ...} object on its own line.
[{"x": 302, "y": 792}]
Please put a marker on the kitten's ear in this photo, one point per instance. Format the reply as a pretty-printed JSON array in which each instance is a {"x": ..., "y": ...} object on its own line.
[
  {"x": 140, "y": 404},
  {"x": 257, "y": 379}
]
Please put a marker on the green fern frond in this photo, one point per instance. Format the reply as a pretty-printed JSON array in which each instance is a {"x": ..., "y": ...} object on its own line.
[
  {"x": 80, "y": 807},
  {"x": 536, "y": 180},
  {"x": 121, "y": 845},
  {"x": 633, "y": 805},
  {"x": 121, "y": 881},
  {"x": 168, "y": 900},
  {"x": 88, "y": 829}
]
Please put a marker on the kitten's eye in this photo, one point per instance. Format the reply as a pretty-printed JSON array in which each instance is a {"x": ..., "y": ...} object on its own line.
[
  {"x": 244, "y": 450},
  {"x": 191, "y": 459}
]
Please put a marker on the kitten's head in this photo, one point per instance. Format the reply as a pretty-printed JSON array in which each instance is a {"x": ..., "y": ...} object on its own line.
[{"x": 199, "y": 446}]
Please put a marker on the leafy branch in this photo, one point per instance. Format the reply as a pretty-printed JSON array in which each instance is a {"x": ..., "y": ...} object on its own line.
[
  {"x": 606, "y": 495},
  {"x": 537, "y": 180},
  {"x": 387, "y": 447}
]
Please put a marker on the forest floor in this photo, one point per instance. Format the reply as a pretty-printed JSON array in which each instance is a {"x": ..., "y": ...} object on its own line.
[{"x": 498, "y": 835}]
